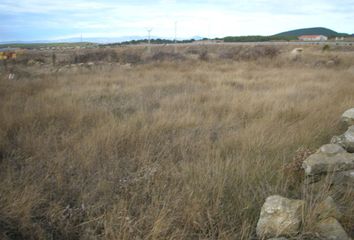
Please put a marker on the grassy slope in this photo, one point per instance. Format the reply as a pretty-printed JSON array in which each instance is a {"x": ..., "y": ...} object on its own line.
[
  {"x": 184, "y": 150},
  {"x": 311, "y": 31}
]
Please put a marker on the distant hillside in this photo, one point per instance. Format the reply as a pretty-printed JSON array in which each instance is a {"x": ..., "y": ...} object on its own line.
[{"x": 311, "y": 31}]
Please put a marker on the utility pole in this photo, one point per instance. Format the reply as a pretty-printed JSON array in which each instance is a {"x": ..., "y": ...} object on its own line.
[
  {"x": 149, "y": 40},
  {"x": 175, "y": 36},
  {"x": 209, "y": 30}
]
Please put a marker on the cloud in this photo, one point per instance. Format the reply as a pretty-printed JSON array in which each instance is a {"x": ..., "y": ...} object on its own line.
[{"x": 34, "y": 19}]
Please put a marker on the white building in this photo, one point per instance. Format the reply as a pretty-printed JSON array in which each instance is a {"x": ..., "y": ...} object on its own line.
[{"x": 313, "y": 38}]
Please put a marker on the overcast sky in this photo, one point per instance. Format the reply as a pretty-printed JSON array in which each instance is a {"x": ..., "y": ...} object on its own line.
[{"x": 49, "y": 19}]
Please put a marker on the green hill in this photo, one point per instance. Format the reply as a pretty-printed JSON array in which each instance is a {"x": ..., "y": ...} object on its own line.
[{"x": 311, "y": 31}]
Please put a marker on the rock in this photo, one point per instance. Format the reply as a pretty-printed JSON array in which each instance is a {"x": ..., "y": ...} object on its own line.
[
  {"x": 326, "y": 209},
  {"x": 346, "y": 140},
  {"x": 279, "y": 217},
  {"x": 331, "y": 229},
  {"x": 330, "y": 63},
  {"x": 348, "y": 117},
  {"x": 331, "y": 149},
  {"x": 296, "y": 53},
  {"x": 344, "y": 178},
  {"x": 126, "y": 66},
  {"x": 329, "y": 158},
  {"x": 297, "y": 50}
]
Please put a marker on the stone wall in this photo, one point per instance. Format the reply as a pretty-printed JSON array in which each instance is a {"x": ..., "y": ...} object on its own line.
[{"x": 333, "y": 166}]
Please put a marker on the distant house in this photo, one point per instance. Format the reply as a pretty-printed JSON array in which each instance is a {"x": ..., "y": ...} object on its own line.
[{"x": 313, "y": 38}]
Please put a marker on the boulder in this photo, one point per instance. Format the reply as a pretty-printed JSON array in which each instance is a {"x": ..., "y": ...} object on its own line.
[
  {"x": 346, "y": 140},
  {"x": 342, "y": 184},
  {"x": 348, "y": 117},
  {"x": 331, "y": 149},
  {"x": 326, "y": 209},
  {"x": 280, "y": 217},
  {"x": 296, "y": 53},
  {"x": 329, "y": 158},
  {"x": 345, "y": 178},
  {"x": 331, "y": 229}
]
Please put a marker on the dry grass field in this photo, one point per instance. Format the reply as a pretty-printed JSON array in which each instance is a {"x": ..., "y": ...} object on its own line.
[{"x": 175, "y": 146}]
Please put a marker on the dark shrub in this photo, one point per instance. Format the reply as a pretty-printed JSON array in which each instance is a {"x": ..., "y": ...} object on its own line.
[
  {"x": 250, "y": 53},
  {"x": 167, "y": 56},
  {"x": 326, "y": 48},
  {"x": 203, "y": 56},
  {"x": 129, "y": 57},
  {"x": 96, "y": 56}
]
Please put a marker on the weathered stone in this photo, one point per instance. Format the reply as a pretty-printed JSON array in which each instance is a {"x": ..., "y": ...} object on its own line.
[
  {"x": 280, "y": 217},
  {"x": 344, "y": 181},
  {"x": 331, "y": 229},
  {"x": 348, "y": 117},
  {"x": 346, "y": 140},
  {"x": 327, "y": 208},
  {"x": 330, "y": 158},
  {"x": 331, "y": 149},
  {"x": 330, "y": 63},
  {"x": 344, "y": 178},
  {"x": 296, "y": 54}
]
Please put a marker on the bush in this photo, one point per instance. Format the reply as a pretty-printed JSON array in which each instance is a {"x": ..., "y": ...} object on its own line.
[
  {"x": 251, "y": 53},
  {"x": 96, "y": 56},
  {"x": 203, "y": 56},
  {"x": 167, "y": 56},
  {"x": 129, "y": 57},
  {"x": 326, "y": 48}
]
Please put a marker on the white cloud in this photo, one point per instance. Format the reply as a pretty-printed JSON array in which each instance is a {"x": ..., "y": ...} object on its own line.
[{"x": 195, "y": 17}]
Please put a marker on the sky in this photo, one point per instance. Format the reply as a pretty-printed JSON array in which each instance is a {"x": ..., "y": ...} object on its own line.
[{"x": 26, "y": 20}]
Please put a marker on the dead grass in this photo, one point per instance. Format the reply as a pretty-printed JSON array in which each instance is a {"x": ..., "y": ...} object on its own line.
[{"x": 164, "y": 150}]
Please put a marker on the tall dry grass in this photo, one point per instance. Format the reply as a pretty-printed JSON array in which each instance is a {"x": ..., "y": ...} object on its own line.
[{"x": 164, "y": 150}]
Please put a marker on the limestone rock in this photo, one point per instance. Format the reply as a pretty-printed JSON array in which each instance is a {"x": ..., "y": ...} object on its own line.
[
  {"x": 280, "y": 217},
  {"x": 326, "y": 209},
  {"x": 348, "y": 117},
  {"x": 296, "y": 54},
  {"x": 330, "y": 63},
  {"x": 346, "y": 140},
  {"x": 330, "y": 158},
  {"x": 331, "y": 149},
  {"x": 331, "y": 229},
  {"x": 344, "y": 178}
]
